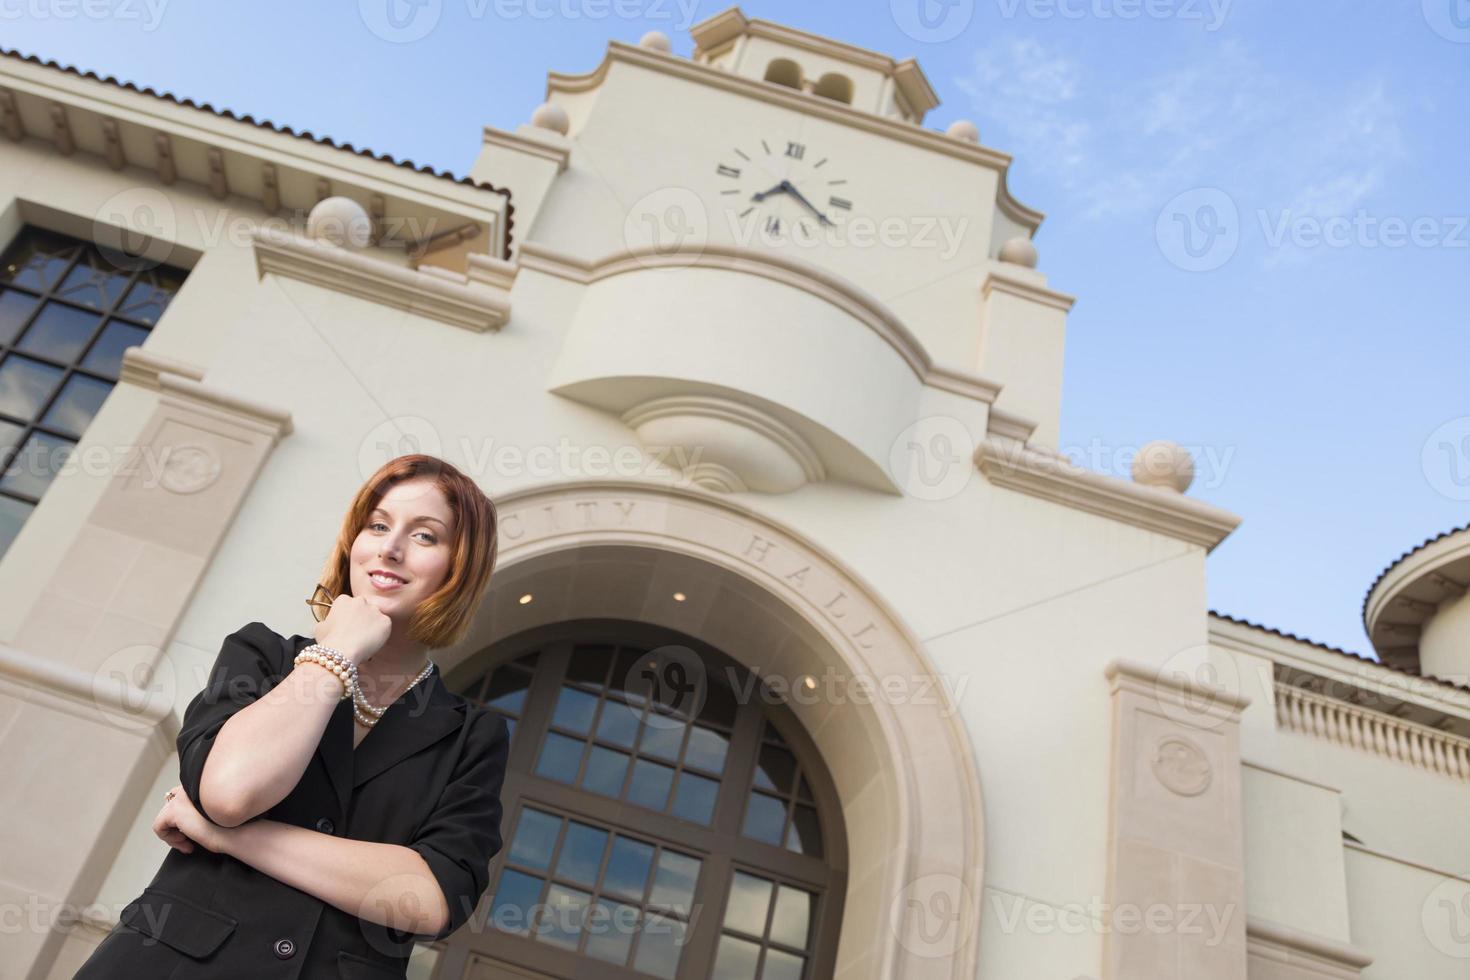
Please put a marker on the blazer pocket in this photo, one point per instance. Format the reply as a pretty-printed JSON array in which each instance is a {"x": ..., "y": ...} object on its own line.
[
  {"x": 178, "y": 922},
  {"x": 350, "y": 966}
]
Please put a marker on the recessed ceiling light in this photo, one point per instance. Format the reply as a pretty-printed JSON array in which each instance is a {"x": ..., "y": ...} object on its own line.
[{"x": 525, "y": 598}]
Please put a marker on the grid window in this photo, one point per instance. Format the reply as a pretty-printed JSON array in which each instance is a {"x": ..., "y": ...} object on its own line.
[
  {"x": 608, "y": 738},
  {"x": 67, "y": 313},
  {"x": 587, "y": 889},
  {"x": 767, "y": 930},
  {"x": 779, "y": 809}
]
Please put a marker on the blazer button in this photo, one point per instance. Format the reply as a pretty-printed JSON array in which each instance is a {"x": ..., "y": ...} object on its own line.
[
  {"x": 325, "y": 825},
  {"x": 285, "y": 949}
]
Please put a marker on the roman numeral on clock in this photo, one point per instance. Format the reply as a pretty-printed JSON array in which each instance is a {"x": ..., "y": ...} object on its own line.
[
  {"x": 725, "y": 171},
  {"x": 795, "y": 150}
]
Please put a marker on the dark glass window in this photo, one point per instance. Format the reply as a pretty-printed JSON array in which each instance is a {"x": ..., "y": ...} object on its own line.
[{"x": 67, "y": 312}]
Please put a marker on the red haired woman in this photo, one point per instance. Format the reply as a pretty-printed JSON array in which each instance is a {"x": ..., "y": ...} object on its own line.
[{"x": 336, "y": 800}]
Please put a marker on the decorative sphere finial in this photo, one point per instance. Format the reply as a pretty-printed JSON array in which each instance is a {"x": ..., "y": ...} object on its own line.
[
  {"x": 655, "y": 41},
  {"x": 341, "y": 221},
  {"x": 1020, "y": 251},
  {"x": 552, "y": 117},
  {"x": 1164, "y": 464},
  {"x": 963, "y": 129}
]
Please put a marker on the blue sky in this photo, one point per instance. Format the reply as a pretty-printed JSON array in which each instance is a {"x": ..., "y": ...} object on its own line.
[{"x": 1261, "y": 207}]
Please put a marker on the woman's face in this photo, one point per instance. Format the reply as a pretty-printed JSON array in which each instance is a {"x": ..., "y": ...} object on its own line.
[{"x": 407, "y": 539}]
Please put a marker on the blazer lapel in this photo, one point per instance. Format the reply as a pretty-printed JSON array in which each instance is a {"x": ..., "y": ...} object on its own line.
[{"x": 412, "y": 723}]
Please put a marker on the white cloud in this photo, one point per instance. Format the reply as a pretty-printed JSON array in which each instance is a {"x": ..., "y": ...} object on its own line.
[{"x": 1125, "y": 144}]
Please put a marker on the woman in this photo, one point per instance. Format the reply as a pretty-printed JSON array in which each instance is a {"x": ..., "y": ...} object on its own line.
[{"x": 336, "y": 800}]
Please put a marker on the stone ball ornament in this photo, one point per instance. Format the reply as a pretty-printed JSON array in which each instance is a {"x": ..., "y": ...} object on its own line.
[
  {"x": 1019, "y": 251},
  {"x": 1165, "y": 465},
  {"x": 656, "y": 41},
  {"x": 341, "y": 221},
  {"x": 552, "y": 117},
  {"x": 963, "y": 129}
]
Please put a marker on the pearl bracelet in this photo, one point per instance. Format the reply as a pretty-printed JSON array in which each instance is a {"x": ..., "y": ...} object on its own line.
[{"x": 342, "y": 668}]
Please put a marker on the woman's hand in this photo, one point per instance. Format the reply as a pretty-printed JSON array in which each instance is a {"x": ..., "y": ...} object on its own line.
[
  {"x": 354, "y": 626},
  {"x": 180, "y": 826}
]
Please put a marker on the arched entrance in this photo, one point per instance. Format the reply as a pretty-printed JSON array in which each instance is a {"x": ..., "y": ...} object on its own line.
[{"x": 855, "y": 680}]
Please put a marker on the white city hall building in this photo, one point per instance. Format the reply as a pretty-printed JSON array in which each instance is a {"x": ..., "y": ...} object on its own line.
[{"x": 781, "y": 399}]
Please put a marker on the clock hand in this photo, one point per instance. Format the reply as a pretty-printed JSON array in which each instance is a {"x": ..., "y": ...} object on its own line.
[
  {"x": 774, "y": 189},
  {"x": 789, "y": 188}
]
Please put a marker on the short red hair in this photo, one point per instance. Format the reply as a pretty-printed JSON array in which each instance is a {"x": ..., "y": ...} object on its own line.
[{"x": 443, "y": 618}]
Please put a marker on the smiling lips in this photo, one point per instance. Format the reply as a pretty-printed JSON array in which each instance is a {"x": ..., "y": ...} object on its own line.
[{"x": 385, "y": 581}]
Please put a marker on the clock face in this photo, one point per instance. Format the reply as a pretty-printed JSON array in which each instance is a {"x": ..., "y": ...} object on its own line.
[{"x": 782, "y": 189}]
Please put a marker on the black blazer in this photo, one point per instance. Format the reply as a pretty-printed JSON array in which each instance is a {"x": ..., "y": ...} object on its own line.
[{"x": 427, "y": 776}]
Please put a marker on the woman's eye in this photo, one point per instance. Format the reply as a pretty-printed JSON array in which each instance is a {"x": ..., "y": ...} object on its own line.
[{"x": 432, "y": 539}]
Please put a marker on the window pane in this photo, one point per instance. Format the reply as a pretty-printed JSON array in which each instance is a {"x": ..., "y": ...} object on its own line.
[
  {"x": 105, "y": 357},
  {"x": 605, "y": 772},
  {"x": 737, "y": 959},
  {"x": 618, "y": 724},
  {"x": 150, "y": 296},
  {"x": 13, "y": 514},
  {"x": 25, "y": 385},
  {"x": 650, "y": 786},
  {"x": 776, "y": 770},
  {"x": 562, "y": 916},
  {"x": 791, "y": 925},
  {"x": 10, "y": 434},
  {"x": 805, "y": 834},
  {"x": 33, "y": 468},
  {"x": 79, "y": 401},
  {"x": 707, "y": 749},
  {"x": 514, "y": 901},
  {"x": 673, "y": 883},
  {"x": 659, "y": 946},
  {"x": 627, "y": 868},
  {"x": 662, "y": 737},
  {"x": 695, "y": 798},
  {"x": 15, "y": 309},
  {"x": 581, "y": 854},
  {"x": 59, "y": 332},
  {"x": 589, "y": 664},
  {"x": 560, "y": 757},
  {"x": 719, "y": 705},
  {"x": 39, "y": 259},
  {"x": 92, "y": 284},
  {"x": 508, "y": 690},
  {"x": 535, "y": 839},
  {"x": 610, "y": 928},
  {"x": 782, "y": 966},
  {"x": 574, "y": 710},
  {"x": 765, "y": 818},
  {"x": 750, "y": 900}
]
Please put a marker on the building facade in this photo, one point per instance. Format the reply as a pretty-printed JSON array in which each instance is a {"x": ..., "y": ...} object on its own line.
[{"x": 765, "y": 382}]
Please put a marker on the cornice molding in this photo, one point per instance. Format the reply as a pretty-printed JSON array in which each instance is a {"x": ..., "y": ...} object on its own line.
[
  {"x": 522, "y": 143},
  {"x": 1178, "y": 688},
  {"x": 804, "y": 102},
  {"x": 833, "y": 289},
  {"x": 998, "y": 281},
  {"x": 1050, "y": 475},
  {"x": 1306, "y": 952},
  {"x": 143, "y": 368},
  {"x": 444, "y": 296},
  {"x": 194, "y": 396}
]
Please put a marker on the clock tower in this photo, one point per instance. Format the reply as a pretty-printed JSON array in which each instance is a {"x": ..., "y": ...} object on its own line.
[{"x": 789, "y": 157}]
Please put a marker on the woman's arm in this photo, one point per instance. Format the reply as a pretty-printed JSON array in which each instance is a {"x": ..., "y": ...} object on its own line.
[{"x": 384, "y": 883}]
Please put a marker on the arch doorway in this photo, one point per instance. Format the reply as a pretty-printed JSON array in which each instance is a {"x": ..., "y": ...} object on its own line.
[{"x": 665, "y": 817}]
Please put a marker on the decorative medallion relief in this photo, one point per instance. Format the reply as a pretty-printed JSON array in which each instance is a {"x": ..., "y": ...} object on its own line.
[
  {"x": 189, "y": 469},
  {"x": 1181, "y": 765}
]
